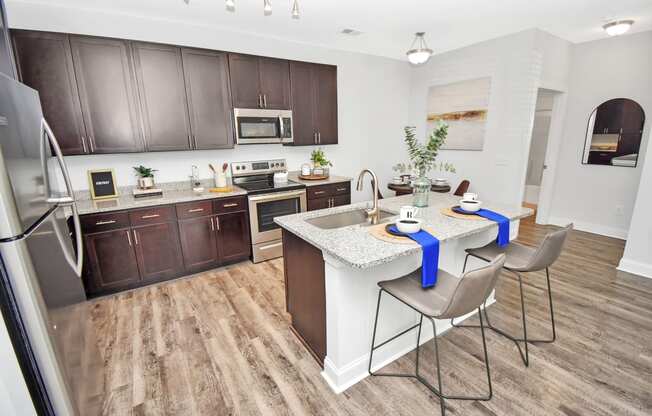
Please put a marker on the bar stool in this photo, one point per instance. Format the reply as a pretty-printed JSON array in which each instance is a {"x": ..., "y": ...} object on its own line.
[
  {"x": 452, "y": 297},
  {"x": 523, "y": 259}
]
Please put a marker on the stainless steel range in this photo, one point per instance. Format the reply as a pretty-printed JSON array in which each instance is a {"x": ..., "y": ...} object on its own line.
[{"x": 267, "y": 199}]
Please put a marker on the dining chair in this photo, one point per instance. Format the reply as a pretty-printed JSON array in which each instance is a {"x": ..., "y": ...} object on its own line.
[
  {"x": 523, "y": 259},
  {"x": 462, "y": 188},
  {"x": 450, "y": 298}
]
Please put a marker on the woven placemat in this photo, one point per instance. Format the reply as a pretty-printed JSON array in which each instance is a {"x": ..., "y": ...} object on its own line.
[
  {"x": 450, "y": 213},
  {"x": 380, "y": 233}
]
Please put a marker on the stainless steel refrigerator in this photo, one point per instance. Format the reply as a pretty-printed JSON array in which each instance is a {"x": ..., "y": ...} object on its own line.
[{"x": 41, "y": 292}]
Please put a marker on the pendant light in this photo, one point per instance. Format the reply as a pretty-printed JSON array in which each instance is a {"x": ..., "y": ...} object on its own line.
[
  {"x": 230, "y": 5},
  {"x": 295, "y": 9},
  {"x": 419, "y": 52},
  {"x": 267, "y": 7}
]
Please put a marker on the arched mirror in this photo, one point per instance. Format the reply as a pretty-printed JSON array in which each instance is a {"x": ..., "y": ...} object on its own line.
[{"x": 614, "y": 132}]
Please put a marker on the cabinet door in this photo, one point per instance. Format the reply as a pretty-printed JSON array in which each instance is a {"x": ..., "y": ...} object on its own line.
[
  {"x": 303, "y": 103},
  {"x": 45, "y": 64},
  {"x": 104, "y": 74},
  {"x": 209, "y": 98},
  {"x": 245, "y": 82},
  {"x": 275, "y": 83},
  {"x": 319, "y": 203},
  {"x": 233, "y": 236},
  {"x": 162, "y": 93},
  {"x": 157, "y": 251},
  {"x": 112, "y": 260},
  {"x": 326, "y": 94},
  {"x": 341, "y": 200},
  {"x": 198, "y": 243}
]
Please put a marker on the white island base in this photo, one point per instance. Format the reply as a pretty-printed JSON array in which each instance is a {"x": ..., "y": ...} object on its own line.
[{"x": 351, "y": 296}]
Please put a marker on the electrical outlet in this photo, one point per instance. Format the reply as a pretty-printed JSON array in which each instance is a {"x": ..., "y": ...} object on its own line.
[{"x": 620, "y": 210}]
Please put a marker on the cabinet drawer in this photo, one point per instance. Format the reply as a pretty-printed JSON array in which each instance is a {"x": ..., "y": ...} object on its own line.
[
  {"x": 154, "y": 215},
  {"x": 343, "y": 188},
  {"x": 194, "y": 209},
  {"x": 224, "y": 205},
  {"x": 321, "y": 191},
  {"x": 104, "y": 222}
]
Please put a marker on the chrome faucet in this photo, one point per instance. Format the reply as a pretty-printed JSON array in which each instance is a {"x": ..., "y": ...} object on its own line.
[{"x": 373, "y": 213}]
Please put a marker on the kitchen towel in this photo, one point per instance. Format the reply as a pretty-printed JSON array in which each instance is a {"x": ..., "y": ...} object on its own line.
[
  {"x": 503, "y": 225},
  {"x": 430, "y": 259}
]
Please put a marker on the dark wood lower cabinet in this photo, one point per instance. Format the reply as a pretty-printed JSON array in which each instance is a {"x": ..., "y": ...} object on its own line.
[
  {"x": 233, "y": 236},
  {"x": 198, "y": 243},
  {"x": 110, "y": 261},
  {"x": 328, "y": 196},
  {"x": 157, "y": 251}
]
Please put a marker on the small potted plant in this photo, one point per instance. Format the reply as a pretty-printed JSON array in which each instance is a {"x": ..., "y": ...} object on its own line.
[
  {"x": 319, "y": 162},
  {"x": 145, "y": 176}
]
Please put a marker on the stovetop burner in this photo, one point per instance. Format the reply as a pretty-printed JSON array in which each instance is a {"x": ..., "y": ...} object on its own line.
[{"x": 257, "y": 177}]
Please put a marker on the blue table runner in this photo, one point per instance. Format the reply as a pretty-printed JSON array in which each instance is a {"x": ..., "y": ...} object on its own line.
[
  {"x": 430, "y": 259},
  {"x": 503, "y": 223}
]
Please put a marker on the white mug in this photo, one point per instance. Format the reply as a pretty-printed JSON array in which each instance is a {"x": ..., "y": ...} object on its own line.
[
  {"x": 470, "y": 196},
  {"x": 408, "y": 212}
]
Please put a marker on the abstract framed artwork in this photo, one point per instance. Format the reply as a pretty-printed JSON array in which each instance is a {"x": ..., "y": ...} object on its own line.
[{"x": 464, "y": 107}]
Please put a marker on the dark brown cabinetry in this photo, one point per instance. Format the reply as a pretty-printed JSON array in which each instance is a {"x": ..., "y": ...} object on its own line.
[
  {"x": 209, "y": 98},
  {"x": 104, "y": 73},
  {"x": 45, "y": 64},
  {"x": 132, "y": 248},
  {"x": 259, "y": 82},
  {"x": 162, "y": 96},
  {"x": 328, "y": 196},
  {"x": 314, "y": 103}
]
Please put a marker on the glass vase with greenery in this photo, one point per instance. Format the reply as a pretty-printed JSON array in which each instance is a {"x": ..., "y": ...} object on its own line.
[{"x": 423, "y": 157}]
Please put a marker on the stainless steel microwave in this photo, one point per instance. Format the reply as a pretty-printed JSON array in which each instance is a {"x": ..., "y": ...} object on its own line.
[{"x": 256, "y": 126}]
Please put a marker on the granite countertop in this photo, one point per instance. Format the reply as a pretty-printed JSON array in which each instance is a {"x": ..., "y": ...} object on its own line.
[
  {"x": 357, "y": 248},
  {"x": 294, "y": 176},
  {"x": 170, "y": 196}
]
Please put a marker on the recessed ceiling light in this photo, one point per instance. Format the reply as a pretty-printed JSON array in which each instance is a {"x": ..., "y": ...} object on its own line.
[
  {"x": 351, "y": 32},
  {"x": 618, "y": 27}
]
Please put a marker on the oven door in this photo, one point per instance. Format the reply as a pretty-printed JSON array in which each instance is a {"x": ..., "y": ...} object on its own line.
[
  {"x": 264, "y": 208},
  {"x": 263, "y": 126}
]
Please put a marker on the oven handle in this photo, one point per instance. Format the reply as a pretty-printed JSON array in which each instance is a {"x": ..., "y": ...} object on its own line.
[{"x": 277, "y": 196}]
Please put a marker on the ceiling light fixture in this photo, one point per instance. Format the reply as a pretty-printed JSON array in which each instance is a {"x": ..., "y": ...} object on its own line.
[
  {"x": 230, "y": 5},
  {"x": 295, "y": 9},
  {"x": 267, "y": 7},
  {"x": 419, "y": 52},
  {"x": 617, "y": 27}
]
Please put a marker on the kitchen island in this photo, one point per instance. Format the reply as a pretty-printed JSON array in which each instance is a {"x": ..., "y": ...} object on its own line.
[{"x": 331, "y": 278}]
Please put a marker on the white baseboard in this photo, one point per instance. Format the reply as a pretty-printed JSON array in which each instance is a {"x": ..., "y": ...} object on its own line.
[
  {"x": 635, "y": 267},
  {"x": 340, "y": 379},
  {"x": 590, "y": 227}
]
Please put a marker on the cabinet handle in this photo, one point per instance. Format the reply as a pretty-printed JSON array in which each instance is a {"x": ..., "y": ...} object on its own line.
[
  {"x": 84, "y": 144},
  {"x": 105, "y": 222},
  {"x": 196, "y": 210},
  {"x": 146, "y": 217},
  {"x": 319, "y": 192},
  {"x": 129, "y": 237},
  {"x": 136, "y": 237},
  {"x": 319, "y": 137},
  {"x": 189, "y": 142},
  {"x": 260, "y": 101},
  {"x": 194, "y": 142},
  {"x": 341, "y": 189},
  {"x": 212, "y": 224},
  {"x": 230, "y": 205},
  {"x": 265, "y": 100},
  {"x": 217, "y": 223},
  {"x": 90, "y": 143}
]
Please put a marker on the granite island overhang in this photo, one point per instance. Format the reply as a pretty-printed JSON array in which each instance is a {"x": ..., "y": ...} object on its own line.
[{"x": 331, "y": 278}]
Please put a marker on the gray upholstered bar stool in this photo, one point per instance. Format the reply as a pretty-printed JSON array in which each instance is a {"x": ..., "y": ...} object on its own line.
[
  {"x": 522, "y": 259},
  {"x": 452, "y": 297}
]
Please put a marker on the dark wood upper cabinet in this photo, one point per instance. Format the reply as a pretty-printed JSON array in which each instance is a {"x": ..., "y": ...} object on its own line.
[
  {"x": 162, "y": 96},
  {"x": 198, "y": 243},
  {"x": 233, "y": 236},
  {"x": 259, "y": 82},
  {"x": 275, "y": 83},
  {"x": 209, "y": 98},
  {"x": 314, "y": 103},
  {"x": 112, "y": 260},
  {"x": 107, "y": 92},
  {"x": 245, "y": 83},
  {"x": 45, "y": 64},
  {"x": 157, "y": 250}
]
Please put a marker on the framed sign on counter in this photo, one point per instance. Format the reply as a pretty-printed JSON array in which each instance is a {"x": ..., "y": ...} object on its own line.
[{"x": 102, "y": 183}]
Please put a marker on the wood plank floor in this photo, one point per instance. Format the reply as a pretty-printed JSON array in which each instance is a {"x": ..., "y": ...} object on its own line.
[{"x": 218, "y": 343}]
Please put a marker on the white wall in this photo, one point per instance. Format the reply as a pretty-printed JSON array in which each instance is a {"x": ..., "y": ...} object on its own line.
[
  {"x": 372, "y": 97},
  {"x": 598, "y": 198}
]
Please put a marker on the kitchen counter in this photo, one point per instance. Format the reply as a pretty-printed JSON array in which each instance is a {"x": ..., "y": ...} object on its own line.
[
  {"x": 355, "y": 247},
  {"x": 332, "y": 275},
  {"x": 170, "y": 196},
  {"x": 294, "y": 176}
]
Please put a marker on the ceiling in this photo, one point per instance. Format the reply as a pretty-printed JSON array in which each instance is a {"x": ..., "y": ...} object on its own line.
[{"x": 388, "y": 26}]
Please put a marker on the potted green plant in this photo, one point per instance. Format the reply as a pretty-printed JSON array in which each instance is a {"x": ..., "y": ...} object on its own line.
[
  {"x": 423, "y": 157},
  {"x": 145, "y": 176},
  {"x": 319, "y": 162}
]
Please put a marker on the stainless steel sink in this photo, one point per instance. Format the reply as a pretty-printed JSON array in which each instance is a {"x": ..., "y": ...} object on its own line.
[{"x": 344, "y": 219}]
